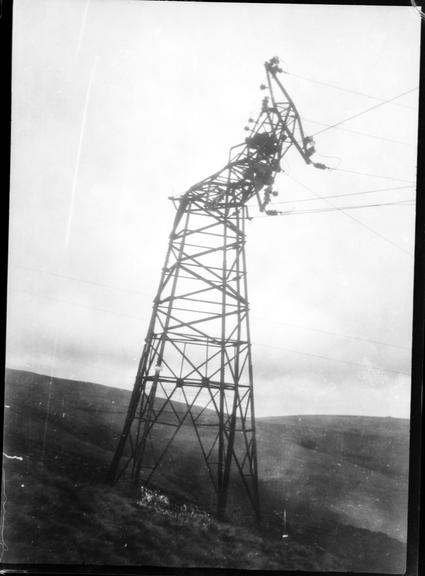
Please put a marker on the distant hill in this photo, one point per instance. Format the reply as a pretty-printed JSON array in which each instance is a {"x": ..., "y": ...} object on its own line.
[
  {"x": 354, "y": 467},
  {"x": 342, "y": 480}
]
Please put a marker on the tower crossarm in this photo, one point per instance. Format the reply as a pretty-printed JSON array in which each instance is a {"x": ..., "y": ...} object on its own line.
[{"x": 253, "y": 164}]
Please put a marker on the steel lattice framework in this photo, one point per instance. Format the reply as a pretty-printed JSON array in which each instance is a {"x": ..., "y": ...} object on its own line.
[{"x": 196, "y": 365}]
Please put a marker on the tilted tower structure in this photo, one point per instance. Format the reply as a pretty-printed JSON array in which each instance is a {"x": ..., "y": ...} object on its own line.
[{"x": 196, "y": 365}]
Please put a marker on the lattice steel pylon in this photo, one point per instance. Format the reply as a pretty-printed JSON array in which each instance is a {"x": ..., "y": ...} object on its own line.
[{"x": 196, "y": 366}]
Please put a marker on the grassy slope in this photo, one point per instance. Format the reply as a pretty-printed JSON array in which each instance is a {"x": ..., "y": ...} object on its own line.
[
  {"x": 329, "y": 471},
  {"x": 354, "y": 468}
]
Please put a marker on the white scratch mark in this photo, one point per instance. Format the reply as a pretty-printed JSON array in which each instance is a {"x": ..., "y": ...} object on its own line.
[
  {"x": 83, "y": 26},
  {"x": 12, "y": 457},
  {"x": 49, "y": 397},
  {"x": 3, "y": 544},
  {"x": 77, "y": 163},
  {"x": 6, "y": 406}
]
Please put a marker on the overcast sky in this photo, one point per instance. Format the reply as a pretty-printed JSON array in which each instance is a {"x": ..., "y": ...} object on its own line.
[{"x": 119, "y": 104}]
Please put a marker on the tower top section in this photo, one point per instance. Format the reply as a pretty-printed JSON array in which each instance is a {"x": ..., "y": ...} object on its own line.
[{"x": 254, "y": 163}]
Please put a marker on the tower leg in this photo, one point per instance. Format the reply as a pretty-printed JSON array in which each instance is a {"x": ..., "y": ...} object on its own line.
[{"x": 198, "y": 347}]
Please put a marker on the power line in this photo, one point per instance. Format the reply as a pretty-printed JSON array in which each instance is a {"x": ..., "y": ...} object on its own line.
[
  {"x": 372, "y": 175},
  {"x": 372, "y": 230},
  {"x": 258, "y": 344},
  {"x": 378, "y": 368},
  {"x": 36, "y": 366},
  {"x": 365, "y": 111},
  {"x": 360, "y": 133},
  {"x": 357, "y": 92},
  {"x": 336, "y": 208},
  {"x": 409, "y": 203},
  {"x": 45, "y": 296},
  {"x": 339, "y": 195},
  {"x": 338, "y": 334},
  {"x": 78, "y": 304},
  {"x": 108, "y": 286}
]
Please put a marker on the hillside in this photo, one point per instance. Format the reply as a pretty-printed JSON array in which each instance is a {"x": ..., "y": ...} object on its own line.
[
  {"x": 354, "y": 469},
  {"x": 343, "y": 481}
]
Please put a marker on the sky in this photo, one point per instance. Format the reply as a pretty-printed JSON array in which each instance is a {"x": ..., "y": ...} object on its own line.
[{"x": 119, "y": 104}]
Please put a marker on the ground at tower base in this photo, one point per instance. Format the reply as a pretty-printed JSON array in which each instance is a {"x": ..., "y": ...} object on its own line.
[{"x": 342, "y": 481}]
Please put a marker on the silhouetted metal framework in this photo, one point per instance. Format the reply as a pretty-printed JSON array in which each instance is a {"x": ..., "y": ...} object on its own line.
[{"x": 196, "y": 365}]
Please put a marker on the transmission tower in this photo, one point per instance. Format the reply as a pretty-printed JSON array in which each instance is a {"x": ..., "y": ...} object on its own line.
[{"x": 196, "y": 365}]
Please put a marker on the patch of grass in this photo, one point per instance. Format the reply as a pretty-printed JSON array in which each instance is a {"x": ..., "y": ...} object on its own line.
[
  {"x": 59, "y": 511},
  {"x": 54, "y": 519}
]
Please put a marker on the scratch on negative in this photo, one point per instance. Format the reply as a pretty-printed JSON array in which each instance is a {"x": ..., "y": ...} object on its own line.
[
  {"x": 3, "y": 544},
  {"x": 83, "y": 25},
  {"x": 12, "y": 457},
  {"x": 77, "y": 163}
]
